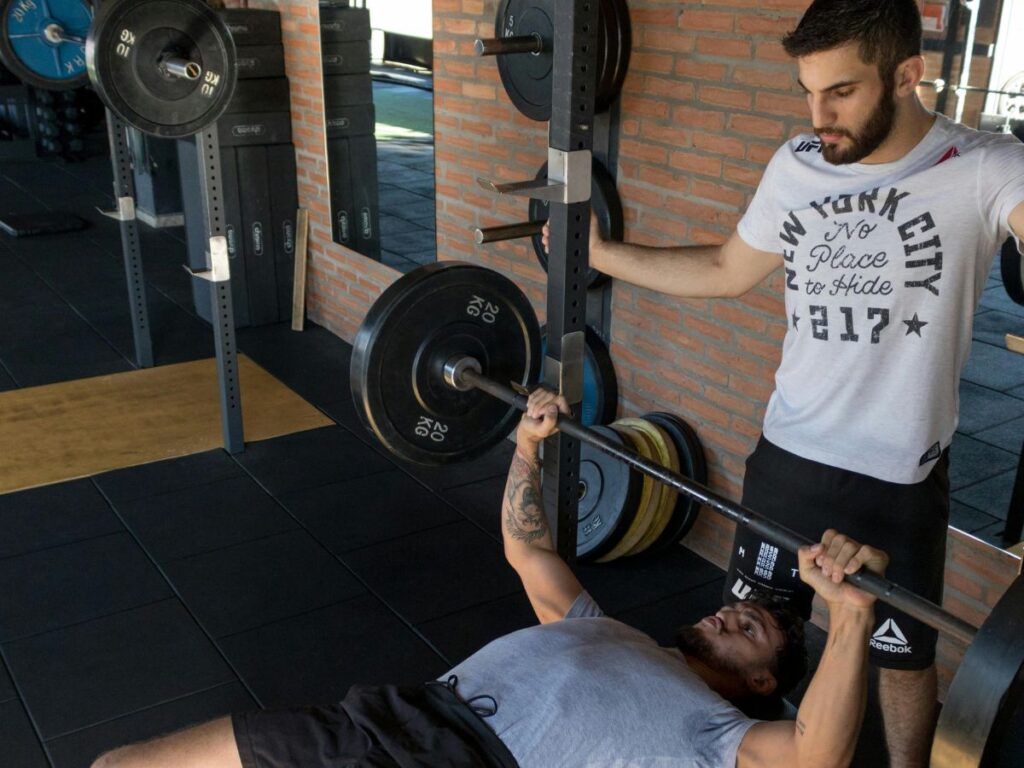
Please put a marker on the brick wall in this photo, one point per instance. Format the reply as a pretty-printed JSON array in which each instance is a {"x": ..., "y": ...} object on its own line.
[{"x": 709, "y": 96}]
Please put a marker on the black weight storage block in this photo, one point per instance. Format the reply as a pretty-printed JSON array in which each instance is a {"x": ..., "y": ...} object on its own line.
[
  {"x": 344, "y": 90},
  {"x": 250, "y": 26},
  {"x": 365, "y": 195},
  {"x": 260, "y": 61},
  {"x": 345, "y": 58},
  {"x": 284, "y": 202},
  {"x": 355, "y": 120},
  {"x": 257, "y": 233},
  {"x": 255, "y": 129},
  {"x": 343, "y": 217},
  {"x": 341, "y": 25},
  {"x": 265, "y": 94}
]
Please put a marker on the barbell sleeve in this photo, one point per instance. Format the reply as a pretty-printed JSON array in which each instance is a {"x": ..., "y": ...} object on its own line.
[
  {"x": 501, "y": 46},
  {"x": 468, "y": 376},
  {"x": 507, "y": 232}
]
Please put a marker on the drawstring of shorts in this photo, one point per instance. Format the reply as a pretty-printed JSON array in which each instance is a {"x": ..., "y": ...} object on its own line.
[{"x": 488, "y": 709}]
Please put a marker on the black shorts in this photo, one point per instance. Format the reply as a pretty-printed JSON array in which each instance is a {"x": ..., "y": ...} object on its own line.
[
  {"x": 907, "y": 521},
  {"x": 373, "y": 727}
]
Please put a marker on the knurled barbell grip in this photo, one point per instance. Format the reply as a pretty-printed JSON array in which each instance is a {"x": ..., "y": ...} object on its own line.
[
  {"x": 507, "y": 232},
  {"x": 500, "y": 46},
  {"x": 903, "y": 599}
]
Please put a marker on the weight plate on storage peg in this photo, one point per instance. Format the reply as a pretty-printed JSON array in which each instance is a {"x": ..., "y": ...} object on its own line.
[
  {"x": 422, "y": 321},
  {"x": 692, "y": 465},
  {"x": 608, "y": 497},
  {"x": 604, "y": 203},
  {"x": 643, "y": 513},
  {"x": 527, "y": 76},
  {"x": 600, "y": 387},
  {"x": 43, "y": 43},
  {"x": 1010, "y": 270},
  {"x": 166, "y": 67},
  {"x": 666, "y": 496}
]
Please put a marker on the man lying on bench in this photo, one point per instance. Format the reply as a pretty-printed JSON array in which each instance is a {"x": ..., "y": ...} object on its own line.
[{"x": 580, "y": 689}]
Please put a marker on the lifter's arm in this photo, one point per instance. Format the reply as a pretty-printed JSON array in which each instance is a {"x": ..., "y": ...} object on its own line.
[
  {"x": 688, "y": 271},
  {"x": 550, "y": 584},
  {"x": 824, "y": 734},
  {"x": 1017, "y": 221}
]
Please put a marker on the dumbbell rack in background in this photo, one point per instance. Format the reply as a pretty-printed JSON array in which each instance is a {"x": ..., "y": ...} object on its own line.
[
  {"x": 259, "y": 177},
  {"x": 350, "y": 122}
]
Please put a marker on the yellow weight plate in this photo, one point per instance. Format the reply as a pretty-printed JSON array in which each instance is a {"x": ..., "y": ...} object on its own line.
[
  {"x": 645, "y": 509},
  {"x": 667, "y": 456}
]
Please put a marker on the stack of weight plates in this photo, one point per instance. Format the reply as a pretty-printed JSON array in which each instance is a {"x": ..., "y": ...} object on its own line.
[{"x": 623, "y": 512}]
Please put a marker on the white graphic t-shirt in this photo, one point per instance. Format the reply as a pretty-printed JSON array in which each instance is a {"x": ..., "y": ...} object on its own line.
[{"x": 884, "y": 268}]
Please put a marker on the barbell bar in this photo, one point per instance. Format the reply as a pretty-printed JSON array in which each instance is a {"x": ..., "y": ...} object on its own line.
[
  {"x": 462, "y": 372},
  {"x": 483, "y": 235}
]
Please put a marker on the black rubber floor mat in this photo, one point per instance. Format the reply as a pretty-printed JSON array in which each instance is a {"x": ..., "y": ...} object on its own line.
[{"x": 41, "y": 223}]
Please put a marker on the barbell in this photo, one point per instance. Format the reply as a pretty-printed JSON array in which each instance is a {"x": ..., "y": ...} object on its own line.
[{"x": 441, "y": 367}]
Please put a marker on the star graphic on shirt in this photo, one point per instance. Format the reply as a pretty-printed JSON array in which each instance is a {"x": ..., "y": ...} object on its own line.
[
  {"x": 915, "y": 325},
  {"x": 796, "y": 319}
]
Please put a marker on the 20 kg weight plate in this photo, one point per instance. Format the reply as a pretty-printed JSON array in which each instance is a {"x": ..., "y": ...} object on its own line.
[
  {"x": 423, "y": 320},
  {"x": 128, "y": 53},
  {"x": 608, "y": 496},
  {"x": 600, "y": 387},
  {"x": 43, "y": 41},
  {"x": 604, "y": 203},
  {"x": 692, "y": 465}
]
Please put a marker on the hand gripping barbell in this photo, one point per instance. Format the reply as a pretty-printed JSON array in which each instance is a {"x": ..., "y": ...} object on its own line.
[{"x": 428, "y": 373}]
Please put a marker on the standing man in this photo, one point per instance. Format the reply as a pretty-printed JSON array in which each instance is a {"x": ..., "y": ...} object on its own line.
[{"x": 886, "y": 221}]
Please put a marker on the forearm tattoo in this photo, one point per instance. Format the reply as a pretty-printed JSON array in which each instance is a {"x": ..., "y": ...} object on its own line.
[{"x": 524, "y": 506}]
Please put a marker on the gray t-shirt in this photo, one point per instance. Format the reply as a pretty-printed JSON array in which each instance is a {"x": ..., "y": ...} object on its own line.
[
  {"x": 591, "y": 691},
  {"x": 884, "y": 268}
]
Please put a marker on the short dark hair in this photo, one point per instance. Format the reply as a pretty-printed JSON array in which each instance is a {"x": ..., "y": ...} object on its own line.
[
  {"x": 887, "y": 31},
  {"x": 790, "y": 663}
]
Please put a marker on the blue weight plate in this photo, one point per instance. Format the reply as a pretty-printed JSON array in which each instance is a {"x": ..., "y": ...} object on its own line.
[
  {"x": 43, "y": 41},
  {"x": 609, "y": 495},
  {"x": 600, "y": 387}
]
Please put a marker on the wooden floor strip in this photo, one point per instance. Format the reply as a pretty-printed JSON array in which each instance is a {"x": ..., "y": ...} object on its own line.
[{"x": 79, "y": 428}]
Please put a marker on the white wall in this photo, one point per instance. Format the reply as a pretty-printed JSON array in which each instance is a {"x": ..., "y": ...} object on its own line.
[{"x": 407, "y": 17}]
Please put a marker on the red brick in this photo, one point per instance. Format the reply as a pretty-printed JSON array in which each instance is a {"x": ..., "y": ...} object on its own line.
[
  {"x": 691, "y": 161},
  {"x": 777, "y": 104},
  {"x": 726, "y": 97},
  {"x": 698, "y": 118},
  {"x": 651, "y": 62},
  {"x": 718, "y": 144},
  {"x": 765, "y": 24},
  {"x": 760, "y": 127},
  {"x": 717, "y": 192},
  {"x": 667, "y": 88},
  {"x": 641, "y": 151},
  {"x": 706, "y": 21},
  {"x": 660, "y": 39},
  {"x": 731, "y": 47},
  {"x": 701, "y": 70},
  {"x": 639, "y": 106}
]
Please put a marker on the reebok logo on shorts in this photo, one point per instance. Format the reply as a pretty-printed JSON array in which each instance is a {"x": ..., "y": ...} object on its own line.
[{"x": 890, "y": 638}]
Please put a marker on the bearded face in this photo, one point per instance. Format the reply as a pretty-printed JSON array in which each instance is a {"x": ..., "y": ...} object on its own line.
[{"x": 862, "y": 140}]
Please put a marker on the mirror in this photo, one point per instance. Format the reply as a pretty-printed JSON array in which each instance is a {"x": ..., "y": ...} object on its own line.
[
  {"x": 377, "y": 65},
  {"x": 986, "y": 449}
]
